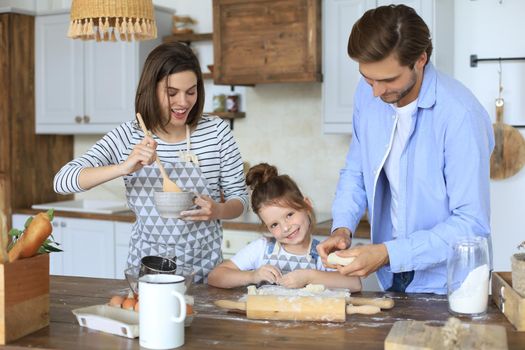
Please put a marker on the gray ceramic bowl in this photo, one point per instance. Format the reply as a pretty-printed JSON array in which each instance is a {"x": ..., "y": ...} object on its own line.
[{"x": 170, "y": 204}]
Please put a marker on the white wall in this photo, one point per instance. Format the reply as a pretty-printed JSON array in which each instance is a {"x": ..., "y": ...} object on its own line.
[{"x": 490, "y": 29}]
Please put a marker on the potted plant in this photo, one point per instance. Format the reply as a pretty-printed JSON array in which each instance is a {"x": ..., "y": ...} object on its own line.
[{"x": 518, "y": 271}]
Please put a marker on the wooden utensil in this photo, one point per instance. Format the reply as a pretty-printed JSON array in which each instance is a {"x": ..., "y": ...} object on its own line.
[
  {"x": 167, "y": 184},
  {"x": 272, "y": 307},
  {"x": 508, "y": 156},
  {"x": 421, "y": 335},
  {"x": 383, "y": 303}
]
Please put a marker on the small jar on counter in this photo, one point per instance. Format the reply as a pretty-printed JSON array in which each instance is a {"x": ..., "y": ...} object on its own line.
[
  {"x": 468, "y": 269},
  {"x": 219, "y": 103},
  {"x": 232, "y": 103}
]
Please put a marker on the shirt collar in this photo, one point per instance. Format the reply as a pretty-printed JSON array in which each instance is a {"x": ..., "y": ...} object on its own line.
[{"x": 427, "y": 93}]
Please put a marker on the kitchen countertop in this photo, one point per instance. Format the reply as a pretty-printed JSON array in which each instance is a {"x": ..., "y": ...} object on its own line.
[
  {"x": 218, "y": 329},
  {"x": 246, "y": 222}
]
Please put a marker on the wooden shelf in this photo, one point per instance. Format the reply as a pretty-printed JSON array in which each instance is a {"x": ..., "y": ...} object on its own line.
[
  {"x": 188, "y": 38},
  {"x": 228, "y": 115}
]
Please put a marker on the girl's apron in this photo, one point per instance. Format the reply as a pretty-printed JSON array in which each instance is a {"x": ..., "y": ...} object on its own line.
[
  {"x": 286, "y": 262},
  {"x": 195, "y": 243}
]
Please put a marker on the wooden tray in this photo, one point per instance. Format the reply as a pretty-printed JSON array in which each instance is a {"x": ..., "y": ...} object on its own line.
[{"x": 508, "y": 300}]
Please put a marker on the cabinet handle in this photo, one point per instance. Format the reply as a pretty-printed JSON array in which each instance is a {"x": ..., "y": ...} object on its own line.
[
  {"x": 55, "y": 224},
  {"x": 227, "y": 243},
  {"x": 78, "y": 119},
  {"x": 86, "y": 119},
  {"x": 62, "y": 224}
]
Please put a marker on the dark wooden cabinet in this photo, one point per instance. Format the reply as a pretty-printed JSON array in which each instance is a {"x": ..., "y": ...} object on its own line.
[
  {"x": 266, "y": 41},
  {"x": 28, "y": 162}
]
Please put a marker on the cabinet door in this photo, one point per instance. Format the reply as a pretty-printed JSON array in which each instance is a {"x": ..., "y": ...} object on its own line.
[
  {"x": 122, "y": 236},
  {"x": 59, "y": 81},
  {"x": 89, "y": 247},
  {"x": 341, "y": 74},
  {"x": 260, "y": 41},
  {"x": 234, "y": 240},
  {"x": 110, "y": 83}
]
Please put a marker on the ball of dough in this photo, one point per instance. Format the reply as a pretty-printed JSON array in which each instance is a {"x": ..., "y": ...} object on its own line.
[
  {"x": 314, "y": 288},
  {"x": 335, "y": 259}
]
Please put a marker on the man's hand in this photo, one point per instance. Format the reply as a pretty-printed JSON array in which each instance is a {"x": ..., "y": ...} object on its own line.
[
  {"x": 339, "y": 240},
  {"x": 368, "y": 259}
]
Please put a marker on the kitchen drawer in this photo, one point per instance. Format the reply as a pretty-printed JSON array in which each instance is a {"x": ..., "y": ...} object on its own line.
[{"x": 234, "y": 240}]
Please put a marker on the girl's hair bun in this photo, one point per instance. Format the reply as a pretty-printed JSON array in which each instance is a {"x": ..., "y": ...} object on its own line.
[{"x": 260, "y": 174}]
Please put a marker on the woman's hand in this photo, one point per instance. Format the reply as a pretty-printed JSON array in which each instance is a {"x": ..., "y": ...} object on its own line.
[
  {"x": 207, "y": 209},
  {"x": 143, "y": 153},
  {"x": 295, "y": 279},
  {"x": 266, "y": 273}
]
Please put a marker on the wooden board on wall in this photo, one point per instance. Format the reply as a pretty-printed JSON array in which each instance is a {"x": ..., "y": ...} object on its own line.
[
  {"x": 28, "y": 162},
  {"x": 264, "y": 41}
]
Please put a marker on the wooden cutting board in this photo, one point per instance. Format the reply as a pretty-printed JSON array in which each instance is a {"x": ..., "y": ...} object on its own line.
[
  {"x": 508, "y": 156},
  {"x": 419, "y": 335}
]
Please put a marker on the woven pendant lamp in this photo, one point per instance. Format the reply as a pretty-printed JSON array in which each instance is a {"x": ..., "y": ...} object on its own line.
[{"x": 99, "y": 19}]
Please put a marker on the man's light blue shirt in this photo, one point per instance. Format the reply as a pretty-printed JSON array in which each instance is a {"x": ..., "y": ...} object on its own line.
[{"x": 443, "y": 178}]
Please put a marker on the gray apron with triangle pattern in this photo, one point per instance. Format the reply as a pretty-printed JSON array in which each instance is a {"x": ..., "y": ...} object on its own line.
[
  {"x": 287, "y": 262},
  {"x": 196, "y": 243}
]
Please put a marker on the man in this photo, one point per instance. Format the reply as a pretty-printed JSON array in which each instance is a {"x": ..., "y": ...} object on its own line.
[{"x": 418, "y": 160}]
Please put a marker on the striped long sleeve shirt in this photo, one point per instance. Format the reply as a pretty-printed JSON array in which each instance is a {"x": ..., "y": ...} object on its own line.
[{"x": 212, "y": 142}]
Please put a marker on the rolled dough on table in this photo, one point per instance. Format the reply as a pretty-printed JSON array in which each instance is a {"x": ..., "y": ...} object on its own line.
[{"x": 335, "y": 259}]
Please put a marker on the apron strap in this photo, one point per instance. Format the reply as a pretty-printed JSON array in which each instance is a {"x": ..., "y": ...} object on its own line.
[{"x": 188, "y": 155}]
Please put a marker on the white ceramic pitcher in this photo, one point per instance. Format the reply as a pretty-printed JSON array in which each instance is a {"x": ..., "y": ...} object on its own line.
[{"x": 162, "y": 311}]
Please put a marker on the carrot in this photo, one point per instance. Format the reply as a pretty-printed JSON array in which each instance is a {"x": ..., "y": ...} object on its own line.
[{"x": 33, "y": 237}]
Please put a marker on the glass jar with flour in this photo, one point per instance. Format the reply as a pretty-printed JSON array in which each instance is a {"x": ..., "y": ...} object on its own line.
[{"x": 468, "y": 268}]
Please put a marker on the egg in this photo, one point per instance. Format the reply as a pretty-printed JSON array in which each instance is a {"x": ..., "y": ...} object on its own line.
[
  {"x": 116, "y": 301},
  {"x": 129, "y": 302}
]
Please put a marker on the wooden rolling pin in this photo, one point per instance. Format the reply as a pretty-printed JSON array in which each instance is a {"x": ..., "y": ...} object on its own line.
[
  {"x": 383, "y": 303},
  {"x": 273, "y": 307}
]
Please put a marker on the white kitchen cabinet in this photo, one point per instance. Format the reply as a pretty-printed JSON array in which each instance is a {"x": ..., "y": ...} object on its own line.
[
  {"x": 88, "y": 247},
  {"x": 235, "y": 240},
  {"x": 86, "y": 87},
  {"x": 122, "y": 236},
  {"x": 341, "y": 74}
]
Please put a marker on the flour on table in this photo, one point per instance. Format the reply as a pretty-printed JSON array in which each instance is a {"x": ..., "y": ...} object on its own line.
[
  {"x": 311, "y": 290},
  {"x": 252, "y": 290}
]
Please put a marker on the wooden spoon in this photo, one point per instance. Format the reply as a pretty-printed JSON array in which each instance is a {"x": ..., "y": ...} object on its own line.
[{"x": 167, "y": 184}]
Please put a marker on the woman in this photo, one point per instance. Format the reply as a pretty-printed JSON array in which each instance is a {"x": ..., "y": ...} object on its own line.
[{"x": 198, "y": 152}]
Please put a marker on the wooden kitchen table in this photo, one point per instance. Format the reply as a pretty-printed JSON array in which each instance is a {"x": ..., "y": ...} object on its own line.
[{"x": 218, "y": 329}]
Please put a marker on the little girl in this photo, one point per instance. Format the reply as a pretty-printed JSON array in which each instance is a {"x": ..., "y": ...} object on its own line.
[{"x": 289, "y": 258}]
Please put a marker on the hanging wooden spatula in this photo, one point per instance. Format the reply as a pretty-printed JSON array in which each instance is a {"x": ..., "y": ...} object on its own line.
[
  {"x": 508, "y": 156},
  {"x": 167, "y": 184}
]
